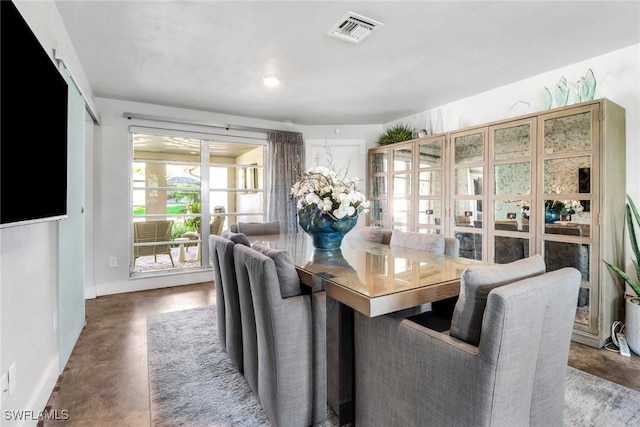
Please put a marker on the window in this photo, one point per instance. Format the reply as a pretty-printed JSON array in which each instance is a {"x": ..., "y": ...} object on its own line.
[{"x": 178, "y": 184}]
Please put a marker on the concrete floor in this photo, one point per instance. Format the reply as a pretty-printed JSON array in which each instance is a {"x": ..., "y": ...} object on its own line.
[{"x": 105, "y": 382}]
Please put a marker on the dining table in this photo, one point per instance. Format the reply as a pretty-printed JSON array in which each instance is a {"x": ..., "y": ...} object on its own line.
[{"x": 372, "y": 278}]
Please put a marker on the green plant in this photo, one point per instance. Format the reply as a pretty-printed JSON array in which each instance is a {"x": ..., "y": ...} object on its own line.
[
  {"x": 632, "y": 213},
  {"x": 193, "y": 223},
  {"x": 178, "y": 229},
  {"x": 397, "y": 133}
]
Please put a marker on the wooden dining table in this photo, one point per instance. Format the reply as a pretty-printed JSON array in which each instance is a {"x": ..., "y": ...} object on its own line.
[{"x": 371, "y": 278}]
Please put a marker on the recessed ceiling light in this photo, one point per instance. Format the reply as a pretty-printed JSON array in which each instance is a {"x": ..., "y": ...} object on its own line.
[{"x": 271, "y": 81}]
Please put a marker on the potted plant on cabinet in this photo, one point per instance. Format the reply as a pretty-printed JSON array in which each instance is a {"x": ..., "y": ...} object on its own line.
[
  {"x": 397, "y": 133},
  {"x": 632, "y": 303}
]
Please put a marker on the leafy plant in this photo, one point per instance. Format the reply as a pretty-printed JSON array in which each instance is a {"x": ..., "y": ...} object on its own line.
[
  {"x": 632, "y": 213},
  {"x": 397, "y": 133},
  {"x": 193, "y": 223}
]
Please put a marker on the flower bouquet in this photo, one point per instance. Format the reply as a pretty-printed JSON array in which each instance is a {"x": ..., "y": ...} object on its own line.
[{"x": 328, "y": 206}]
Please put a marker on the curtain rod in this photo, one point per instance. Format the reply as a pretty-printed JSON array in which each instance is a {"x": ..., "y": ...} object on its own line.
[{"x": 196, "y": 122}]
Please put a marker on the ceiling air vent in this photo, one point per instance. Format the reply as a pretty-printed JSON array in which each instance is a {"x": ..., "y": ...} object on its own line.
[{"x": 353, "y": 27}]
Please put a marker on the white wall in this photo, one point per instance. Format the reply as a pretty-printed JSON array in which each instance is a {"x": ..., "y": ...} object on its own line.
[{"x": 618, "y": 79}]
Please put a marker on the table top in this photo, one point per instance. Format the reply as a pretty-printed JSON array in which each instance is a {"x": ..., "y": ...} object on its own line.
[{"x": 373, "y": 278}]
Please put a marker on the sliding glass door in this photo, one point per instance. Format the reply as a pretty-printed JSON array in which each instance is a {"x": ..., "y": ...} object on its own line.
[{"x": 184, "y": 189}]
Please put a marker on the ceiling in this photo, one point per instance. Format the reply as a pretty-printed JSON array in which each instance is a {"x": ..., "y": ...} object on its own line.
[{"x": 212, "y": 55}]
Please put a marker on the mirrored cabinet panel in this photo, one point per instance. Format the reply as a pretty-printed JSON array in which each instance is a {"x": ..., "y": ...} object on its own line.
[
  {"x": 568, "y": 133},
  {"x": 430, "y": 212},
  {"x": 430, "y": 154},
  {"x": 402, "y": 159},
  {"x": 378, "y": 162},
  {"x": 469, "y": 148},
  {"x": 513, "y": 142}
]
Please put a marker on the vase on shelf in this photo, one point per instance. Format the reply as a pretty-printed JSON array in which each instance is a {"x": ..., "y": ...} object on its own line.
[
  {"x": 551, "y": 216},
  {"x": 565, "y": 217},
  {"x": 326, "y": 231}
]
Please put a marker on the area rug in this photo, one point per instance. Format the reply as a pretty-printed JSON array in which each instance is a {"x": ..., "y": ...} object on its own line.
[{"x": 193, "y": 383}]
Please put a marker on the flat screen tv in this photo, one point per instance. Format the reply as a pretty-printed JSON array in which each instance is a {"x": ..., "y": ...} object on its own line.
[{"x": 33, "y": 126}]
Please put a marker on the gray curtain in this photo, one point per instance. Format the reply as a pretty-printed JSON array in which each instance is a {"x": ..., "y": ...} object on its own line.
[{"x": 285, "y": 160}]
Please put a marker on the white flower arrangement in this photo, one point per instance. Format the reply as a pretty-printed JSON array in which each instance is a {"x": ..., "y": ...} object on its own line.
[
  {"x": 320, "y": 188},
  {"x": 564, "y": 207}
]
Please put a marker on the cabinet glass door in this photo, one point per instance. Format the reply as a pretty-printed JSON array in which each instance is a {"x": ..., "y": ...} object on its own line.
[
  {"x": 402, "y": 183},
  {"x": 511, "y": 178},
  {"x": 569, "y": 208},
  {"x": 469, "y": 156},
  {"x": 379, "y": 188},
  {"x": 430, "y": 192}
]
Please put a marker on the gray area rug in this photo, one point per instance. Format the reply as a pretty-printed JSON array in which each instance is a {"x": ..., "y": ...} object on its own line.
[{"x": 193, "y": 383}]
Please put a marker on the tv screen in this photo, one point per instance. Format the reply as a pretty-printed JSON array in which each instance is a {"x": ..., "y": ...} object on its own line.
[{"x": 33, "y": 126}]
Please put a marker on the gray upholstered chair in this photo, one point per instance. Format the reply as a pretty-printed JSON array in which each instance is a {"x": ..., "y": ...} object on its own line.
[
  {"x": 410, "y": 375},
  {"x": 256, "y": 228},
  {"x": 435, "y": 243},
  {"x": 368, "y": 233},
  {"x": 285, "y": 340},
  {"x": 227, "y": 298}
]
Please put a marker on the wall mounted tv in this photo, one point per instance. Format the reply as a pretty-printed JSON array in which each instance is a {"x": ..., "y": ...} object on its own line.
[{"x": 33, "y": 126}]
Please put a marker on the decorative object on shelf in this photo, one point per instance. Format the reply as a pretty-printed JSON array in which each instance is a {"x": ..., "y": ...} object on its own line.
[
  {"x": 520, "y": 107},
  {"x": 562, "y": 92},
  {"x": 428, "y": 125},
  {"x": 632, "y": 303},
  {"x": 328, "y": 206},
  {"x": 551, "y": 215},
  {"x": 524, "y": 206},
  {"x": 587, "y": 86},
  {"x": 422, "y": 133},
  {"x": 396, "y": 133},
  {"x": 546, "y": 99},
  {"x": 555, "y": 210},
  {"x": 439, "y": 126}
]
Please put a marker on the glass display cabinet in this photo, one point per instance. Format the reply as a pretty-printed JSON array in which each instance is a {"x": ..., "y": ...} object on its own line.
[{"x": 550, "y": 183}]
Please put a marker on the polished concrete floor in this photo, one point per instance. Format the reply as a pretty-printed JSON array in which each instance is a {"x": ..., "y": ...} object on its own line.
[{"x": 105, "y": 382}]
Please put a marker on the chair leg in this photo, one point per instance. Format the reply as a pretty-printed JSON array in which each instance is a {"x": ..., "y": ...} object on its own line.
[{"x": 171, "y": 257}]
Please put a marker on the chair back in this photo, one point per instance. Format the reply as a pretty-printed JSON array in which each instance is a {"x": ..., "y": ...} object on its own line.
[
  {"x": 451, "y": 246},
  {"x": 227, "y": 299},
  {"x": 150, "y": 232},
  {"x": 215, "y": 227},
  {"x": 284, "y": 341},
  {"x": 434, "y": 243},
  {"x": 526, "y": 332},
  {"x": 257, "y": 228}
]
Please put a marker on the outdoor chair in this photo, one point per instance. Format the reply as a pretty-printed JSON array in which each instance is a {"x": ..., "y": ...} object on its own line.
[
  {"x": 151, "y": 232},
  {"x": 215, "y": 227}
]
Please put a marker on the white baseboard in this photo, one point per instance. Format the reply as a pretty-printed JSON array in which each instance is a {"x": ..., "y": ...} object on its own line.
[
  {"x": 41, "y": 393},
  {"x": 154, "y": 282}
]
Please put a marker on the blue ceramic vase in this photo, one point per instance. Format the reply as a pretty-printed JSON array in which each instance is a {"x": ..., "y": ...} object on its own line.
[
  {"x": 551, "y": 216},
  {"x": 327, "y": 232}
]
